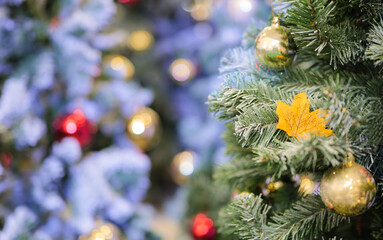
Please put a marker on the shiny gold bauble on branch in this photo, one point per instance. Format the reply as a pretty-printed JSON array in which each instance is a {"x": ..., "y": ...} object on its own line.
[
  {"x": 349, "y": 189},
  {"x": 144, "y": 129},
  {"x": 274, "y": 46}
]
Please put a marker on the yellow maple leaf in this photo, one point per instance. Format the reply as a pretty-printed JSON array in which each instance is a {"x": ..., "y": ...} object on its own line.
[{"x": 298, "y": 121}]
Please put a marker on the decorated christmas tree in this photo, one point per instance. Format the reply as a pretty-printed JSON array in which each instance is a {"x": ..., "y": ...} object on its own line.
[
  {"x": 70, "y": 168},
  {"x": 302, "y": 104}
]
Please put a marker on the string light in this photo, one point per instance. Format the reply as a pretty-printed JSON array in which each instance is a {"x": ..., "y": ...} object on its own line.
[
  {"x": 182, "y": 70},
  {"x": 140, "y": 40},
  {"x": 119, "y": 67}
]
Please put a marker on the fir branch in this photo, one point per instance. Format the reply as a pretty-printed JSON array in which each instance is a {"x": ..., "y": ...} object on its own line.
[
  {"x": 310, "y": 155},
  {"x": 242, "y": 173},
  {"x": 306, "y": 219},
  {"x": 240, "y": 59},
  {"x": 245, "y": 217},
  {"x": 375, "y": 39},
  {"x": 313, "y": 30},
  {"x": 377, "y": 223}
]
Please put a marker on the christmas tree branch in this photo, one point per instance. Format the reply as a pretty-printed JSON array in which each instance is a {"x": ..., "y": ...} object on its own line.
[
  {"x": 375, "y": 39},
  {"x": 314, "y": 154},
  {"x": 306, "y": 219},
  {"x": 245, "y": 217},
  {"x": 313, "y": 30}
]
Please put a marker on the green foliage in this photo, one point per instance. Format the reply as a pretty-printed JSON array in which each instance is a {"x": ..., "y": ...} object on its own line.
[
  {"x": 306, "y": 219},
  {"x": 315, "y": 28},
  {"x": 247, "y": 215},
  {"x": 340, "y": 50},
  {"x": 375, "y": 39},
  {"x": 206, "y": 196}
]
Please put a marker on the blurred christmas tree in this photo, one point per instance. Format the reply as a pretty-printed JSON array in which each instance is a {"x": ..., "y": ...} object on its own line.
[
  {"x": 291, "y": 128},
  {"x": 68, "y": 167}
]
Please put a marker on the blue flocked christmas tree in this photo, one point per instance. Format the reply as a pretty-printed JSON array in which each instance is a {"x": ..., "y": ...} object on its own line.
[{"x": 68, "y": 169}]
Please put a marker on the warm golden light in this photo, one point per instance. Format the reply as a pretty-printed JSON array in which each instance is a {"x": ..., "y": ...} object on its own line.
[
  {"x": 119, "y": 66},
  {"x": 143, "y": 128},
  {"x": 183, "y": 166},
  {"x": 138, "y": 126},
  {"x": 201, "y": 11},
  {"x": 140, "y": 40},
  {"x": 182, "y": 70},
  {"x": 99, "y": 236},
  {"x": 306, "y": 187},
  {"x": 107, "y": 231},
  {"x": 102, "y": 232}
]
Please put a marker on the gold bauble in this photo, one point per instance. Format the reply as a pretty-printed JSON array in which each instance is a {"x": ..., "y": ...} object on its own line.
[
  {"x": 144, "y": 128},
  {"x": 274, "y": 46},
  {"x": 349, "y": 189}
]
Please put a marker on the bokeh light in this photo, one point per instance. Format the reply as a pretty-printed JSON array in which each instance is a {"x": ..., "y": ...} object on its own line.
[
  {"x": 203, "y": 227},
  {"x": 143, "y": 128},
  {"x": 201, "y": 11},
  {"x": 140, "y": 40},
  {"x": 138, "y": 126},
  {"x": 104, "y": 232},
  {"x": 119, "y": 66},
  {"x": 241, "y": 10},
  {"x": 182, "y": 70},
  {"x": 183, "y": 166}
]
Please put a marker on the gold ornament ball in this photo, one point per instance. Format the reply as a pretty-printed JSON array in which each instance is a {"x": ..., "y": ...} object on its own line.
[
  {"x": 274, "y": 46},
  {"x": 143, "y": 128},
  {"x": 349, "y": 189}
]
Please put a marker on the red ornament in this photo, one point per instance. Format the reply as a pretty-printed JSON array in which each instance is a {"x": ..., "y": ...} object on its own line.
[
  {"x": 6, "y": 159},
  {"x": 203, "y": 227},
  {"x": 129, "y": 2},
  {"x": 74, "y": 125}
]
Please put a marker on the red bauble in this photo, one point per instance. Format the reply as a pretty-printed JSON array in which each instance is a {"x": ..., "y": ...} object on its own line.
[
  {"x": 203, "y": 227},
  {"x": 129, "y": 2},
  {"x": 74, "y": 125},
  {"x": 6, "y": 159}
]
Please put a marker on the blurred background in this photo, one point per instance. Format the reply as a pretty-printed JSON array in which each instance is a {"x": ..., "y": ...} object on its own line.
[{"x": 104, "y": 130}]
